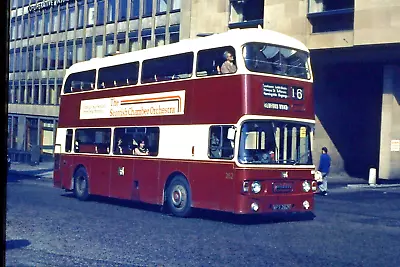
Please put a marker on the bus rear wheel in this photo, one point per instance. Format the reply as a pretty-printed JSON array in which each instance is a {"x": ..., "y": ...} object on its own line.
[
  {"x": 179, "y": 197},
  {"x": 81, "y": 184}
]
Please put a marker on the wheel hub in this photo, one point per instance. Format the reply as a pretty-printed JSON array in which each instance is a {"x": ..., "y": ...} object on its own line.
[{"x": 178, "y": 196}]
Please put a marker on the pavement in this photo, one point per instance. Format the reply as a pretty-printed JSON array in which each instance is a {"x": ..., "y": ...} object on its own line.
[{"x": 44, "y": 170}]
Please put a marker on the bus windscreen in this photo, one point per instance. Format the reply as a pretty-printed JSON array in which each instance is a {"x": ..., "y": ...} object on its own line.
[{"x": 275, "y": 142}]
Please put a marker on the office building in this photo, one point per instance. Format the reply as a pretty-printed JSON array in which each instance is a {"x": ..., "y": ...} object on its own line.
[{"x": 354, "y": 50}]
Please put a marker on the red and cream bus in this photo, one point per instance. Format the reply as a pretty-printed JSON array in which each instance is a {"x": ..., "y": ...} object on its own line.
[{"x": 165, "y": 126}]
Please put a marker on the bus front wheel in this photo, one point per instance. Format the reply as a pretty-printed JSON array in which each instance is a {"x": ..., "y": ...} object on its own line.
[
  {"x": 81, "y": 184},
  {"x": 179, "y": 197}
]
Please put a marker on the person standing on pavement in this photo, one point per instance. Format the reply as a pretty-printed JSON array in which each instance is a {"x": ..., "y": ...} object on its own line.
[{"x": 324, "y": 167}]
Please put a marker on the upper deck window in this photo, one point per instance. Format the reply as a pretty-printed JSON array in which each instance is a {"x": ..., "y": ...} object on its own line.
[
  {"x": 211, "y": 61},
  {"x": 120, "y": 75},
  {"x": 168, "y": 68},
  {"x": 80, "y": 81},
  {"x": 271, "y": 59}
]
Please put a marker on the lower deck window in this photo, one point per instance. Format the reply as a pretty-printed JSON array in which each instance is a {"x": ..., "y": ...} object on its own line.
[
  {"x": 139, "y": 141},
  {"x": 93, "y": 140}
]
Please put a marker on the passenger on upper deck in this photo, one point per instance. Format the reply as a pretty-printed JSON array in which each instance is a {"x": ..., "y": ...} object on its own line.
[
  {"x": 141, "y": 149},
  {"x": 228, "y": 66}
]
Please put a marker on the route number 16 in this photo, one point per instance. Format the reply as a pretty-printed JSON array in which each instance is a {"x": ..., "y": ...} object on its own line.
[{"x": 297, "y": 93}]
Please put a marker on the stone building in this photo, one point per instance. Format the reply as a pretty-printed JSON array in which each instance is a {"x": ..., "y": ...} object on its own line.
[{"x": 354, "y": 49}]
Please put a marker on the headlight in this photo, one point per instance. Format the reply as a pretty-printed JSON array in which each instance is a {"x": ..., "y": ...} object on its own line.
[
  {"x": 306, "y": 186},
  {"x": 256, "y": 187}
]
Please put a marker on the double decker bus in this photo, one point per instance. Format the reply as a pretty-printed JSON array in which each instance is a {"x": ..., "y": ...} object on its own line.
[{"x": 168, "y": 126}]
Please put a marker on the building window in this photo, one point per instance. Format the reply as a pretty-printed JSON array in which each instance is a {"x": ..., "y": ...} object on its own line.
[
  {"x": 11, "y": 62},
  {"x": 121, "y": 45},
  {"x": 38, "y": 57},
  {"x": 133, "y": 44},
  {"x": 100, "y": 12},
  {"x": 29, "y": 100},
  {"x": 53, "y": 57},
  {"x": 81, "y": 14},
  {"x": 23, "y": 60},
  {"x": 246, "y": 14},
  {"x": 47, "y": 136},
  {"x": 43, "y": 94},
  {"x": 109, "y": 46},
  {"x": 45, "y": 56},
  {"x": 147, "y": 8},
  {"x": 146, "y": 41},
  {"x": 32, "y": 25},
  {"x": 32, "y": 133},
  {"x": 99, "y": 48},
  {"x": 26, "y": 27},
  {"x": 15, "y": 132},
  {"x": 71, "y": 17},
  {"x": 30, "y": 60},
  {"x": 160, "y": 39},
  {"x": 39, "y": 29},
  {"x": 46, "y": 22},
  {"x": 12, "y": 30},
  {"x": 70, "y": 55},
  {"x": 17, "y": 60},
  {"x": 134, "y": 9},
  {"x": 173, "y": 37},
  {"x": 19, "y": 29},
  {"x": 91, "y": 14},
  {"x": 123, "y": 9},
  {"x": 88, "y": 49},
  {"x": 22, "y": 92},
  {"x": 331, "y": 15},
  {"x": 36, "y": 94},
  {"x": 175, "y": 5},
  {"x": 79, "y": 52},
  {"x": 63, "y": 16},
  {"x": 161, "y": 6},
  {"x": 13, "y": 4},
  {"x": 60, "y": 64},
  {"x": 111, "y": 11},
  {"x": 54, "y": 20}
]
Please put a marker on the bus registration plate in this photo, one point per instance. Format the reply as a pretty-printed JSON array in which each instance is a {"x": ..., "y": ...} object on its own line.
[{"x": 282, "y": 206}]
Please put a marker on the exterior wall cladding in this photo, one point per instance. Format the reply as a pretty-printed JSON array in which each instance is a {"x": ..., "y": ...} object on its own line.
[{"x": 350, "y": 41}]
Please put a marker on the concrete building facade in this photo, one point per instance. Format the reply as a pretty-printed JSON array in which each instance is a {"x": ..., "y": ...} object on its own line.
[{"x": 354, "y": 51}]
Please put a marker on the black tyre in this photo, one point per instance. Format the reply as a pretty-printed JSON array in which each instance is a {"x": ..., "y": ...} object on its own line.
[
  {"x": 81, "y": 184},
  {"x": 179, "y": 197}
]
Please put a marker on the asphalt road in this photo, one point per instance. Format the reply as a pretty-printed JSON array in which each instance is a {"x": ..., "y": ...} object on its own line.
[{"x": 48, "y": 227}]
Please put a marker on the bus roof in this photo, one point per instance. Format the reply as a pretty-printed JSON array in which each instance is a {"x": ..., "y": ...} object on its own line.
[{"x": 235, "y": 38}]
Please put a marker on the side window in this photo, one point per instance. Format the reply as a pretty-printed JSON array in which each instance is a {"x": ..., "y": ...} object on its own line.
[
  {"x": 168, "y": 68},
  {"x": 216, "y": 61},
  {"x": 94, "y": 141},
  {"x": 80, "y": 81},
  {"x": 68, "y": 141},
  {"x": 220, "y": 147},
  {"x": 136, "y": 141},
  {"x": 120, "y": 75}
]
